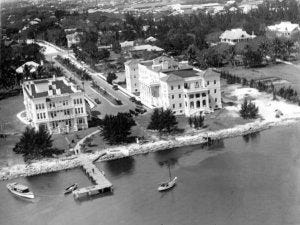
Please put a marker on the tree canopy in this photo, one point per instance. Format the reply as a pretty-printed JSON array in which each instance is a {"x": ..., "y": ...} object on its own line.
[
  {"x": 35, "y": 144},
  {"x": 116, "y": 129},
  {"x": 163, "y": 120}
]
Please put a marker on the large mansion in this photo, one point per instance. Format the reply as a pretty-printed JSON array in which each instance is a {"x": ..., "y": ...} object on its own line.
[
  {"x": 55, "y": 104},
  {"x": 166, "y": 83}
]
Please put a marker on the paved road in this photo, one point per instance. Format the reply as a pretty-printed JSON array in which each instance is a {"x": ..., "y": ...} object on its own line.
[{"x": 106, "y": 107}]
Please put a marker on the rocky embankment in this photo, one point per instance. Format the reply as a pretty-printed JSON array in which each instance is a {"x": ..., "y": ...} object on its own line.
[{"x": 52, "y": 165}]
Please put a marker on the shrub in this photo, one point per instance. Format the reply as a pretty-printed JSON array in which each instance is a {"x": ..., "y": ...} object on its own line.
[{"x": 248, "y": 110}]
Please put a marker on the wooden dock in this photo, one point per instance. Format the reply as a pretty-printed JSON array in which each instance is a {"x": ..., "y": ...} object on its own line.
[{"x": 102, "y": 185}]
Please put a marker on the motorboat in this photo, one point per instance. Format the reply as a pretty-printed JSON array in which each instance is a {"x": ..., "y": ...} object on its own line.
[
  {"x": 20, "y": 190},
  {"x": 167, "y": 185},
  {"x": 71, "y": 188}
]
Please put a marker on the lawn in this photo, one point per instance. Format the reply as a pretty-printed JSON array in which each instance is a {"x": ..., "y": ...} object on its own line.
[{"x": 286, "y": 72}]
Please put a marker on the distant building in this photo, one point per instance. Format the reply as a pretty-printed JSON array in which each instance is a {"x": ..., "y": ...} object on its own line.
[
  {"x": 55, "y": 104},
  {"x": 132, "y": 76},
  {"x": 73, "y": 39},
  {"x": 31, "y": 65},
  {"x": 150, "y": 39},
  {"x": 283, "y": 29},
  {"x": 234, "y": 36},
  {"x": 148, "y": 48},
  {"x": 246, "y": 8},
  {"x": 127, "y": 44},
  {"x": 166, "y": 83}
]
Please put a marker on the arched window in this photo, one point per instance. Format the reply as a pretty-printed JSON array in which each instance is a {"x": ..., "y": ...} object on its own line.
[
  {"x": 204, "y": 103},
  {"x": 191, "y": 105},
  {"x": 198, "y": 104}
]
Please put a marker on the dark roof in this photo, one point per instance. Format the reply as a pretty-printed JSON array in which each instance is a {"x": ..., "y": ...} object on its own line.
[
  {"x": 210, "y": 72},
  {"x": 39, "y": 94},
  {"x": 184, "y": 73},
  {"x": 65, "y": 89},
  {"x": 171, "y": 78}
]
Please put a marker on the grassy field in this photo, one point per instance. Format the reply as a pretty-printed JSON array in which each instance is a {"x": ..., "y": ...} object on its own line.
[{"x": 290, "y": 73}]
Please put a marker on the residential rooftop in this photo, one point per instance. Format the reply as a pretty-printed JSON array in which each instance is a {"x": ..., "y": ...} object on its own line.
[
  {"x": 49, "y": 87},
  {"x": 184, "y": 73}
]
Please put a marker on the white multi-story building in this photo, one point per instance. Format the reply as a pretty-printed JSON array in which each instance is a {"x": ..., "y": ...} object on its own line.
[
  {"x": 166, "y": 83},
  {"x": 132, "y": 76},
  {"x": 55, "y": 104}
]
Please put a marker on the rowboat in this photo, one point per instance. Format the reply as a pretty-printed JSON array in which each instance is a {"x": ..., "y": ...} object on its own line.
[
  {"x": 71, "y": 188},
  {"x": 20, "y": 190}
]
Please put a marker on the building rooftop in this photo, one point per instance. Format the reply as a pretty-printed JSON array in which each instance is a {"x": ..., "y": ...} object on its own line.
[
  {"x": 235, "y": 34},
  {"x": 49, "y": 87},
  {"x": 284, "y": 26},
  {"x": 148, "y": 48},
  {"x": 184, "y": 73}
]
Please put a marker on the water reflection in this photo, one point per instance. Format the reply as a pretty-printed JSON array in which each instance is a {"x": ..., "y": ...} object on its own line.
[
  {"x": 120, "y": 166},
  {"x": 251, "y": 136},
  {"x": 216, "y": 145}
]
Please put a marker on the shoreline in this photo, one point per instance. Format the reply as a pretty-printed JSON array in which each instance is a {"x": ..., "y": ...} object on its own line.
[{"x": 55, "y": 165}]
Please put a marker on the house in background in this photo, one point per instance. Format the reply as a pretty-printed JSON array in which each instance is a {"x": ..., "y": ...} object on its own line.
[
  {"x": 167, "y": 83},
  {"x": 32, "y": 66},
  {"x": 234, "y": 36},
  {"x": 56, "y": 104},
  {"x": 73, "y": 38},
  {"x": 283, "y": 29}
]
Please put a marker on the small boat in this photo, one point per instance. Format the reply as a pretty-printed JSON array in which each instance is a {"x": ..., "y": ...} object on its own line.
[
  {"x": 71, "y": 188},
  {"x": 168, "y": 184},
  {"x": 20, "y": 190}
]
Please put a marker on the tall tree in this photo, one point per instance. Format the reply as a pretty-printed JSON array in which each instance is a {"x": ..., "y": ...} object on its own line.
[{"x": 116, "y": 129}]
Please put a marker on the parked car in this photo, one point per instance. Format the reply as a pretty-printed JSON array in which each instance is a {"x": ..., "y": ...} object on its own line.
[
  {"x": 115, "y": 87},
  {"x": 138, "y": 103},
  {"x": 97, "y": 101},
  {"x": 132, "y": 99}
]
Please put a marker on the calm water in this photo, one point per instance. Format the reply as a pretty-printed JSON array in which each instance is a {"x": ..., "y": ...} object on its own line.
[{"x": 251, "y": 180}]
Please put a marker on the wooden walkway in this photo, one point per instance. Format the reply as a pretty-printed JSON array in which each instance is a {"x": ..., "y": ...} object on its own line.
[{"x": 102, "y": 185}]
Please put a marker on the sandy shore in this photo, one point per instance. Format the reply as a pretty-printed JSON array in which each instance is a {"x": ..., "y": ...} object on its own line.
[{"x": 52, "y": 165}]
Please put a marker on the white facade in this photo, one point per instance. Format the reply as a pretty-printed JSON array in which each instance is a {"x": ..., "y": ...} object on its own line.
[
  {"x": 73, "y": 39},
  {"x": 234, "y": 36},
  {"x": 284, "y": 29},
  {"x": 132, "y": 76},
  {"x": 56, "y": 104},
  {"x": 167, "y": 83}
]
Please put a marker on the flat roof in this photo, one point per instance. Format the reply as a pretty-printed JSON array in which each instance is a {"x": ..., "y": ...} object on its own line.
[
  {"x": 184, "y": 73},
  {"x": 60, "y": 84}
]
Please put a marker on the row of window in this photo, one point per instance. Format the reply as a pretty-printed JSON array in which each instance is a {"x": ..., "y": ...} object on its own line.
[
  {"x": 39, "y": 106},
  {"x": 41, "y": 115},
  {"x": 187, "y": 86},
  {"x": 66, "y": 102},
  {"x": 192, "y": 104},
  {"x": 52, "y": 114},
  {"x": 66, "y": 112},
  {"x": 78, "y": 110},
  {"x": 78, "y": 101},
  {"x": 52, "y": 104}
]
